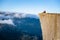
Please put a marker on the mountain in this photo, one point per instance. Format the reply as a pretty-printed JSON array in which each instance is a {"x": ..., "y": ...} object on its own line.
[
  {"x": 30, "y": 25},
  {"x": 19, "y": 26},
  {"x": 9, "y": 32}
]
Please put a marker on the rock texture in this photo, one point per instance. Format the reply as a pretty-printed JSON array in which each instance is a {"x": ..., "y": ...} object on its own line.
[{"x": 50, "y": 24}]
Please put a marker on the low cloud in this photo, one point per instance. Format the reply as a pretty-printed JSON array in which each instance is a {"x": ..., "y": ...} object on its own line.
[
  {"x": 9, "y": 21},
  {"x": 20, "y": 15}
]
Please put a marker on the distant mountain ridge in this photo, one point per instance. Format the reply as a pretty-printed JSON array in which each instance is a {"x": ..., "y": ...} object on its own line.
[{"x": 17, "y": 14}]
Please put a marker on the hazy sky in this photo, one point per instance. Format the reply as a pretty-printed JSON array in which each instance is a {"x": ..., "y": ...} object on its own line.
[{"x": 30, "y": 6}]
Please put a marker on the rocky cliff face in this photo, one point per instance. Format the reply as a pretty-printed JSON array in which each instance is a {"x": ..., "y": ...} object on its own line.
[{"x": 50, "y": 24}]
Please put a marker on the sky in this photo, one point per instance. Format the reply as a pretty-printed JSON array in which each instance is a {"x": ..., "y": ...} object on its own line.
[{"x": 30, "y": 6}]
